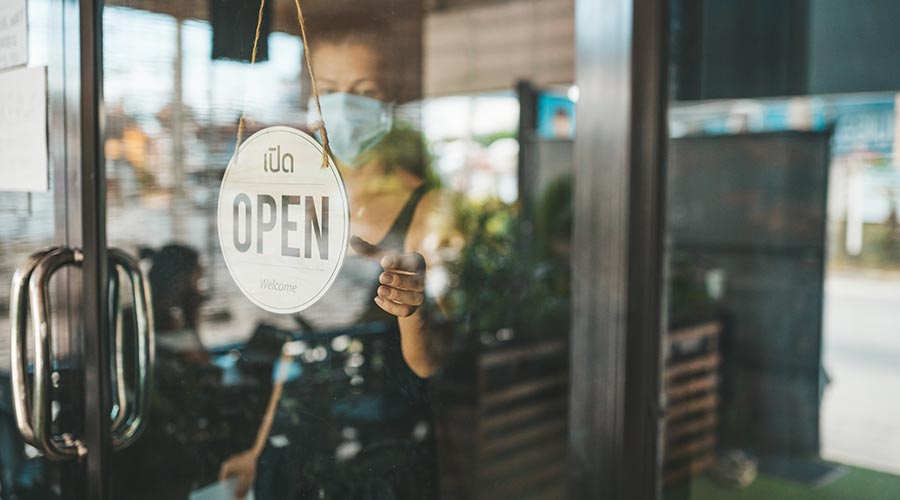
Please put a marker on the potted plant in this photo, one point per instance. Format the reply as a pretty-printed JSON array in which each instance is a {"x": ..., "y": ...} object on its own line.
[{"x": 502, "y": 399}]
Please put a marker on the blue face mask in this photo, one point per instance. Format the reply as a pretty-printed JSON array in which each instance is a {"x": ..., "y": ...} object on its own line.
[{"x": 354, "y": 123}]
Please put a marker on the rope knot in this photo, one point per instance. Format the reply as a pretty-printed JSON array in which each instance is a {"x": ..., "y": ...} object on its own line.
[{"x": 319, "y": 127}]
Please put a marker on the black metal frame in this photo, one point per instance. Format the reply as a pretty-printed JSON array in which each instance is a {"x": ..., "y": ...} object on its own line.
[
  {"x": 618, "y": 278},
  {"x": 96, "y": 348}
]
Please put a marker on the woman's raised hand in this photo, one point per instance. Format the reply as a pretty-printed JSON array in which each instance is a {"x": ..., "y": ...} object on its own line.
[{"x": 402, "y": 288}]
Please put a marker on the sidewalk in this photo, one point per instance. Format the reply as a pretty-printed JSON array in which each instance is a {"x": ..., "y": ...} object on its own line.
[{"x": 860, "y": 422}]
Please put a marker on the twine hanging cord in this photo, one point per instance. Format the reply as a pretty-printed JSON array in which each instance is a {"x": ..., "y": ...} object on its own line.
[{"x": 319, "y": 125}]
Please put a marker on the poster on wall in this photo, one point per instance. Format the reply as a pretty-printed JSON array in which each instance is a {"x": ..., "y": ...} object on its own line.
[
  {"x": 23, "y": 130},
  {"x": 283, "y": 220},
  {"x": 556, "y": 117}
]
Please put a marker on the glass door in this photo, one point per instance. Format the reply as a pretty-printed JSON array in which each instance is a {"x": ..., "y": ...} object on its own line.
[
  {"x": 437, "y": 364},
  {"x": 41, "y": 363}
]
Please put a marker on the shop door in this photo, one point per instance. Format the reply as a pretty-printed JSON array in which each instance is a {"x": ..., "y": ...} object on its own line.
[
  {"x": 389, "y": 387},
  {"x": 449, "y": 357},
  {"x": 58, "y": 406}
]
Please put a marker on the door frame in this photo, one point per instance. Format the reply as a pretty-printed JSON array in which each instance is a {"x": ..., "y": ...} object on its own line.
[
  {"x": 618, "y": 283},
  {"x": 96, "y": 344}
]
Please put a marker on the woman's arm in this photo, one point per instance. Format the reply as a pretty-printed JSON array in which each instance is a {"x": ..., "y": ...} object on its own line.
[
  {"x": 425, "y": 334},
  {"x": 242, "y": 466},
  {"x": 402, "y": 294},
  {"x": 425, "y": 342}
]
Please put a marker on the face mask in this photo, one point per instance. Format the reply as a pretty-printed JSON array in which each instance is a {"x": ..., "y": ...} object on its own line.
[{"x": 354, "y": 123}]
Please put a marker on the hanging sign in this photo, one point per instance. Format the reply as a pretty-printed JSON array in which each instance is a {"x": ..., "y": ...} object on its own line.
[{"x": 283, "y": 220}]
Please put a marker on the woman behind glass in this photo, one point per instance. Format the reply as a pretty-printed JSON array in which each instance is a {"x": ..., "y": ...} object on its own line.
[{"x": 362, "y": 429}]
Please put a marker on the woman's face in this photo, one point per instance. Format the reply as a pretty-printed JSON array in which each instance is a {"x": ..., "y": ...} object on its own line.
[{"x": 349, "y": 67}]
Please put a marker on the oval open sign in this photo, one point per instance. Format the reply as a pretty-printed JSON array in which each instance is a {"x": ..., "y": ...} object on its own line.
[{"x": 283, "y": 220}]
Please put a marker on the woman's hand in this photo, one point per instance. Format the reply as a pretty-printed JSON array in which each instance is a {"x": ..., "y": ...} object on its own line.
[
  {"x": 243, "y": 468},
  {"x": 402, "y": 288}
]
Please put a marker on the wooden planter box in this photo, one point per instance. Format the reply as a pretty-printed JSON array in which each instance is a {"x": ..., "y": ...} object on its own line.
[
  {"x": 691, "y": 383},
  {"x": 502, "y": 424}
]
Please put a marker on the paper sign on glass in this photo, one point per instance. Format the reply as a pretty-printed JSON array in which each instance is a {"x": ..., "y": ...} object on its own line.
[
  {"x": 23, "y": 130},
  {"x": 283, "y": 220},
  {"x": 13, "y": 33}
]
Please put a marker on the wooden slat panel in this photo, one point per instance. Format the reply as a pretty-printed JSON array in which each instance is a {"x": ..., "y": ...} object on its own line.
[
  {"x": 692, "y": 405},
  {"x": 527, "y": 435},
  {"x": 524, "y": 390},
  {"x": 692, "y": 447},
  {"x": 694, "y": 333},
  {"x": 699, "y": 364},
  {"x": 693, "y": 386},
  {"x": 507, "y": 356},
  {"x": 706, "y": 422},
  {"x": 691, "y": 413},
  {"x": 689, "y": 469},
  {"x": 552, "y": 406}
]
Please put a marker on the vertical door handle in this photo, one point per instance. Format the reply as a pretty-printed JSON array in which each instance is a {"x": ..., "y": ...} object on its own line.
[
  {"x": 134, "y": 416},
  {"x": 66, "y": 446},
  {"x": 18, "y": 322},
  {"x": 33, "y": 408},
  {"x": 120, "y": 401}
]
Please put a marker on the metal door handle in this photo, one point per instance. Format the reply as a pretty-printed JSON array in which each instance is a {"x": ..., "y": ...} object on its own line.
[
  {"x": 121, "y": 405},
  {"x": 130, "y": 421},
  {"x": 30, "y": 297},
  {"x": 18, "y": 315},
  {"x": 117, "y": 360},
  {"x": 65, "y": 447}
]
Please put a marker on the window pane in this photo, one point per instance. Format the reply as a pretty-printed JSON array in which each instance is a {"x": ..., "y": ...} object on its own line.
[{"x": 783, "y": 189}]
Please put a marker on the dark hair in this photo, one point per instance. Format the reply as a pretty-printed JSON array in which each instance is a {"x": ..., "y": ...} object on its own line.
[
  {"x": 397, "y": 44},
  {"x": 358, "y": 26}
]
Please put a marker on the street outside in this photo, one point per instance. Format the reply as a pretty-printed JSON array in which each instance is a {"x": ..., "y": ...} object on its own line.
[{"x": 860, "y": 419}]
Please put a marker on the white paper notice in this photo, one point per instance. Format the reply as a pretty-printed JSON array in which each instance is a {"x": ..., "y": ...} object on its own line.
[
  {"x": 23, "y": 130},
  {"x": 13, "y": 33}
]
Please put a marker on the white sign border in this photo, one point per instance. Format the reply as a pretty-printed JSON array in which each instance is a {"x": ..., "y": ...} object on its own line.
[{"x": 345, "y": 237}]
